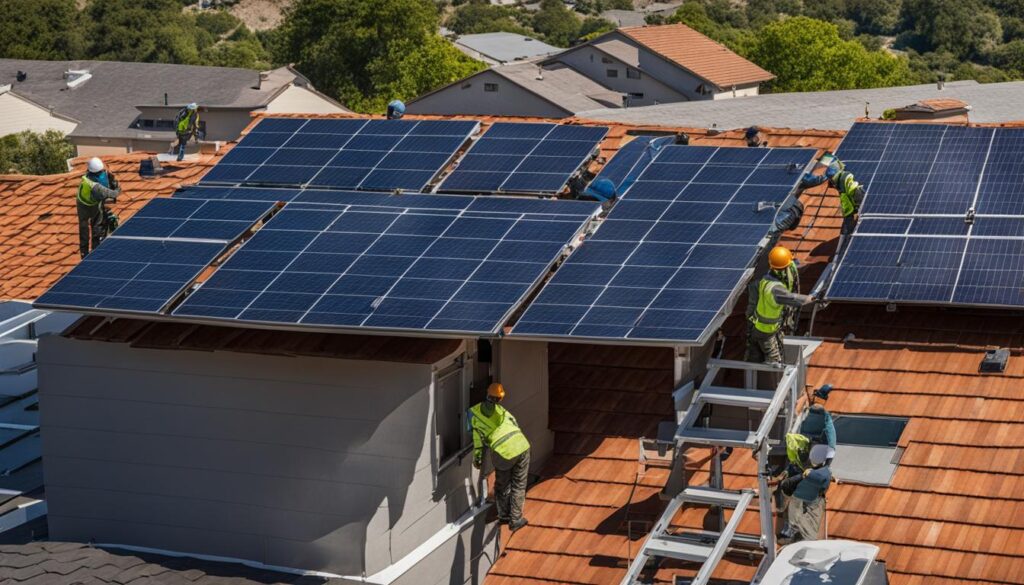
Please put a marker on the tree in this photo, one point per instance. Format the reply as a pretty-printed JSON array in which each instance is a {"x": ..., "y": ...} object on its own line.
[
  {"x": 695, "y": 15},
  {"x": 874, "y": 17},
  {"x": 478, "y": 17},
  {"x": 558, "y": 24},
  {"x": 965, "y": 28},
  {"x": 368, "y": 52},
  {"x": 41, "y": 29},
  {"x": 1010, "y": 56},
  {"x": 594, "y": 27},
  {"x": 153, "y": 31},
  {"x": 32, "y": 153},
  {"x": 809, "y": 55}
]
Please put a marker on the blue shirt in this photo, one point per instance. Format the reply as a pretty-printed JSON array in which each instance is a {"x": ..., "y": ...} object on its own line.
[
  {"x": 811, "y": 180},
  {"x": 102, "y": 178},
  {"x": 814, "y": 485}
]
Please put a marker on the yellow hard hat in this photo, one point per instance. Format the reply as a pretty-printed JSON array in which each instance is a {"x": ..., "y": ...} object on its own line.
[
  {"x": 779, "y": 258},
  {"x": 496, "y": 391}
]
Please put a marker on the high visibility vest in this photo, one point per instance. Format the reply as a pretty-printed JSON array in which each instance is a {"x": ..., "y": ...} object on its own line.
[
  {"x": 796, "y": 446},
  {"x": 792, "y": 277},
  {"x": 847, "y": 187},
  {"x": 768, "y": 312},
  {"x": 500, "y": 432},
  {"x": 186, "y": 121},
  {"x": 85, "y": 192}
]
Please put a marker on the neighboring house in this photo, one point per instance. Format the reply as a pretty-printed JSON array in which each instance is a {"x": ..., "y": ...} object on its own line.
[
  {"x": 110, "y": 107},
  {"x": 499, "y": 48},
  {"x": 633, "y": 66}
]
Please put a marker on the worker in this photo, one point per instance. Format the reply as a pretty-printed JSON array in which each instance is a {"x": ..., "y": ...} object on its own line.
[
  {"x": 602, "y": 189},
  {"x": 682, "y": 139},
  {"x": 807, "y": 490},
  {"x": 766, "y": 307},
  {"x": 753, "y": 137},
  {"x": 496, "y": 429},
  {"x": 851, "y": 195},
  {"x": 186, "y": 126},
  {"x": 98, "y": 186},
  {"x": 396, "y": 109}
]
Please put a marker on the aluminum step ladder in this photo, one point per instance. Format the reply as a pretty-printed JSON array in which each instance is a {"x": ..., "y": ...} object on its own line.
[{"x": 705, "y": 547}]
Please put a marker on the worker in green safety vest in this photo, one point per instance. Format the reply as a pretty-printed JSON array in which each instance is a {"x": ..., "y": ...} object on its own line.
[
  {"x": 186, "y": 126},
  {"x": 98, "y": 186},
  {"x": 766, "y": 307},
  {"x": 496, "y": 429},
  {"x": 851, "y": 195}
]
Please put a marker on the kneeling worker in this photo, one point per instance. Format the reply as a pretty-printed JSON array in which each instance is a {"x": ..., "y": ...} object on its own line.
[
  {"x": 766, "y": 307},
  {"x": 496, "y": 429},
  {"x": 807, "y": 509}
]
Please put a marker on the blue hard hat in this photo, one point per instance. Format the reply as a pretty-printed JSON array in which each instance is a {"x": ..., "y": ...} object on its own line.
[
  {"x": 823, "y": 392},
  {"x": 604, "y": 187},
  {"x": 396, "y": 109},
  {"x": 752, "y": 132}
]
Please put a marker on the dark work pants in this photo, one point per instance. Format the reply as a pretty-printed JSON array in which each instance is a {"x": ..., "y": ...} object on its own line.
[
  {"x": 182, "y": 141},
  {"x": 510, "y": 485},
  {"x": 90, "y": 219},
  {"x": 762, "y": 347}
]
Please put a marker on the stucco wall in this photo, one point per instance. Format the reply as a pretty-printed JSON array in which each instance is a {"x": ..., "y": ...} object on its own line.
[
  {"x": 299, "y": 100},
  {"x": 523, "y": 370},
  {"x": 468, "y": 97},
  {"x": 590, "y": 62},
  {"x": 18, "y": 115},
  {"x": 313, "y": 463}
]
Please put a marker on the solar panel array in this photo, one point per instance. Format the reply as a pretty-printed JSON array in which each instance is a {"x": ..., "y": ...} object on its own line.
[
  {"x": 151, "y": 259},
  {"x": 629, "y": 161},
  {"x": 524, "y": 158},
  {"x": 670, "y": 254},
  {"x": 943, "y": 219},
  {"x": 375, "y": 155}
]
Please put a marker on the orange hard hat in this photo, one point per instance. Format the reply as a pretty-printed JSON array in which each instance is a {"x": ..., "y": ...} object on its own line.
[
  {"x": 779, "y": 258},
  {"x": 496, "y": 391}
]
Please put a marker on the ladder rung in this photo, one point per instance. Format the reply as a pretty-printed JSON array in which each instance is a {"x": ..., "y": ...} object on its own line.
[
  {"x": 719, "y": 437},
  {"x": 666, "y": 546},
  {"x": 711, "y": 496},
  {"x": 757, "y": 399}
]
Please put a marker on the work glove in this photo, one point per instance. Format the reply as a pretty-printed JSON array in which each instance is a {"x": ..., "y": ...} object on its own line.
[{"x": 807, "y": 472}]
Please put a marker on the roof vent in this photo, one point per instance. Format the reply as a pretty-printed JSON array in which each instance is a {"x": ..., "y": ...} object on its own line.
[
  {"x": 994, "y": 361},
  {"x": 540, "y": 74},
  {"x": 76, "y": 77},
  {"x": 21, "y": 76}
]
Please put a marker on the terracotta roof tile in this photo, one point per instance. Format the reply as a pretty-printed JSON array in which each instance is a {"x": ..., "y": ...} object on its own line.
[{"x": 697, "y": 53}]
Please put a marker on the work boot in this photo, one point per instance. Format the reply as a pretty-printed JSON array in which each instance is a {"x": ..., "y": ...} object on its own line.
[
  {"x": 502, "y": 521},
  {"x": 516, "y": 525}
]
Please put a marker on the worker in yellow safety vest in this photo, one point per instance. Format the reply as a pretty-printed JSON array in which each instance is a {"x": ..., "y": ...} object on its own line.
[
  {"x": 98, "y": 187},
  {"x": 186, "y": 126},
  {"x": 496, "y": 429},
  {"x": 766, "y": 307},
  {"x": 851, "y": 195}
]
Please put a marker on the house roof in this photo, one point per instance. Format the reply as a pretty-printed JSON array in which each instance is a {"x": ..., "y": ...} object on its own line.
[
  {"x": 954, "y": 512},
  {"x": 698, "y": 54},
  {"x": 560, "y": 84},
  {"x": 832, "y": 110},
  {"x": 105, "y": 105},
  {"x": 504, "y": 47}
]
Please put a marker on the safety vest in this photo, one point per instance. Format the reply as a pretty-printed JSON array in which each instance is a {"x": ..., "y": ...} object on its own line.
[
  {"x": 847, "y": 187},
  {"x": 768, "y": 312},
  {"x": 500, "y": 432},
  {"x": 186, "y": 121},
  {"x": 792, "y": 277},
  {"x": 85, "y": 192},
  {"x": 796, "y": 446}
]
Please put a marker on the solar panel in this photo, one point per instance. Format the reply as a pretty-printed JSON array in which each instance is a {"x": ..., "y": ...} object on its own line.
[
  {"x": 375, "y": 155},
  {"x": 672, "y": 251},
  {"x": 943, "y": 217},
  {"x": 394, "y": 263},
  {"x": 524, "y": 158}
]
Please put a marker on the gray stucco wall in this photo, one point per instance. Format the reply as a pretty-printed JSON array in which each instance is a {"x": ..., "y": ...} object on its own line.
[
  {"x": 523, "y": 370},
  {"x": 468, "y": 97},
  {"x": 312, "y": 463},
  {"x": 590, "y": 62}
]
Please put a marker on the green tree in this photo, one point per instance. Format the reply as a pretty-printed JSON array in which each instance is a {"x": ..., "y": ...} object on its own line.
[
  {"x": 154, "y": 31},
  {"x": 874, "y": 17},
  {"x": 367, "y": 52},
  {"x": 965, "y": 28},
  {"x": 1010, "y": 57},
  {"x": 594, "y": 27},
  {"x": 809, "y": 55},
  {"x": 32, "y": 153},
  {"x": 41, "y": 29},
  {"x": 556, "y": 23},
  {"x": 480, "y": 17},
  {"x": 695, "y": 15},
  {"x": 217, "y": 22}
]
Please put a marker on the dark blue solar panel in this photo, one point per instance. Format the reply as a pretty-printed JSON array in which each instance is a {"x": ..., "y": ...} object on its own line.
[
  {"x": 629, "y": 161},
  {"x": 380, "y": 155},
  {"x": 373, "y": 261},
  {"x": 524, "y": 158},
  {"x": 671, "y": 252}
]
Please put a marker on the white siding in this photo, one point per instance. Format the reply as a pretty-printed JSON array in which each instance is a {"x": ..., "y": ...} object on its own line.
[
  {"x": 299, "y": 100},
  {"x": 468, "y": 97},
  {"x": 742, "y": 91},
  {"x": 18, "y": 115}
]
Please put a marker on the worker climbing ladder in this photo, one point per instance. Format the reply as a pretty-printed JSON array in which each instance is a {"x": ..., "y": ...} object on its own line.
[{"x": 696, "y": 428}]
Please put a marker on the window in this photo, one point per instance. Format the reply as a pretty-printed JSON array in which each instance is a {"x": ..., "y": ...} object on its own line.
[
  {"x": 157, "y": 124},
  {"x": 613, "y": 73},
  {"x": 450, "y": 401},
  {"x": 867, "y": 448},
  {"x": 490, "y": 87},
  {"x": 632, "y": 73},
  {"x": 606, "y": 60}
]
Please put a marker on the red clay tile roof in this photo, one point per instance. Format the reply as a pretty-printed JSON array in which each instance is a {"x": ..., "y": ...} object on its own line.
[{"x": 697, "y": 53}]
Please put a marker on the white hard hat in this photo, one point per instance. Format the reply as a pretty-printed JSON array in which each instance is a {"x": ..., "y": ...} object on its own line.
[
  {"x": 95, "y": 165},
  {"x": 820, "y": 454},
  {"x": 193, "y": 106}
]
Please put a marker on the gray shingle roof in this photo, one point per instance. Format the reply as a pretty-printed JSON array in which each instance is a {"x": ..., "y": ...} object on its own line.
[
  {"x": 105, "y": 104},
  {"x": 562, "y": 85},
  {"x": 505, "y": 47},
  {"x": 832, "y": 110}
]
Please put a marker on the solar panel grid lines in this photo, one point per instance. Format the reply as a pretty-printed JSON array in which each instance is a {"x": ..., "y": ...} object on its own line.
[
  {"x": 453, "y": 264},
  {"x": 665, "y": 261},
  {"x": 515, "y": 157},
  {"x": 348, "y": 153}
]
